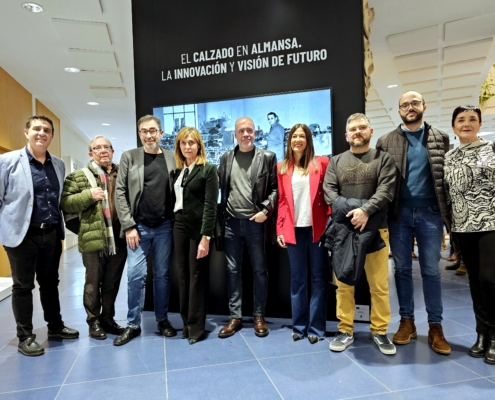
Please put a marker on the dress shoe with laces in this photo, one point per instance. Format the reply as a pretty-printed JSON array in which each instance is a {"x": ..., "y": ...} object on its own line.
[
  {"x": 63, "y": 333},
  {"x": 407, "y": 331},
  {"x": 490, "y": 351},
  {"x": 260, "y": 328},
  {"x": 166, "y": 328},
  {"x": 127, "y": 336},
  {"x": 438, "y": 342},
  {"x": 477, "y": 350},
  {"x": 110, "y": 326},
  {"x": 234, "y": 325},
  {"x": 29, "y": 347},
  {"x": 97, "y": 332}
]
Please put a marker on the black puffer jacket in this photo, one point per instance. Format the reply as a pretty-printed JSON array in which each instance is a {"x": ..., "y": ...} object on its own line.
[
  {"x": 395, "y": 143},
  {"x": 348, "y": 245}
]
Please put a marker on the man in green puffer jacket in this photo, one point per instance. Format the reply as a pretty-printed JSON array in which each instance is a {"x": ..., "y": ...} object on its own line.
[{"x": 103, "y": 252}]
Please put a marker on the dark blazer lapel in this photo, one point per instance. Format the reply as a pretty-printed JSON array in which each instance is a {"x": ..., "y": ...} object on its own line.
[
  {"x": 140, "y": 162},
  {"x": 256, "y": 166},
  {"x": 193, "y": 173}
]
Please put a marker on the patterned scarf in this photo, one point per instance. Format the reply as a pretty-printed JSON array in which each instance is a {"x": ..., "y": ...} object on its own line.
[{"x": 105, "y": 206}]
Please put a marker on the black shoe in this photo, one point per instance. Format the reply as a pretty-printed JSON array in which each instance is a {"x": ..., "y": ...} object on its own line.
[
  {"x": 166, "y": 328},
  {"x": 192, "y": 341},
  {"x": 478, "y": 349},
  {"x": 63, "y": 333},
  {"x": 127, "y": 336},
  {"x": 296, "y": 337},
  {"x": 97, "y": 332},
  {"x": 490, "y": 351},
  {"x": 110, "y": 326},
  {"x": 185, "y": 333},
  {"x": 29, "y": 347},
  {"x": 314, "y": 339}
]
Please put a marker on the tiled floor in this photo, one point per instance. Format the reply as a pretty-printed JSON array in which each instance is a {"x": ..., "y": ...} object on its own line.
[{"x": 243, "y": 366}]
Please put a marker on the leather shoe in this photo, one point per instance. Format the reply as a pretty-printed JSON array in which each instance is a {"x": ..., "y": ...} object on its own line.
[
  {"x": 192, "y": 341},
  {"x": 490, "y": 351},
  {"x": 166, "y": 328},
  {"x": 29, "y": 347},
  {"x": 407, "y": 331},
  {"x": 296, "y": 337},
  {"x": 110, "y": 326},
  {"x": 478, "y": 349},
  {"x": 260, "y": 328},
  {"x": 438, "y": 342},
  {"x": 234, "y": 325},
  {"x": 185, "y": 333},
  {"x": 97, "y": 332},
  {"x": 453, "y": 266},
  {"x": 63, "y": 333},
  {"x": 127, "y": 336}
]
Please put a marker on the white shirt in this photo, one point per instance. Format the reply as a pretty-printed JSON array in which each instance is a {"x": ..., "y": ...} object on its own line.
[
  {"x": 178, "y": 187},
  {"x": 302, "y": 200}
]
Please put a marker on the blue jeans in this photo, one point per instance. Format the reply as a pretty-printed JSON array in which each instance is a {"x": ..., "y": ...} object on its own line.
[
  {"x": 426, "y": 224},
  {"x": 159, "y": 241},
  {"x": 308, "y": 319},
  {"x": 253, "y": 233}
]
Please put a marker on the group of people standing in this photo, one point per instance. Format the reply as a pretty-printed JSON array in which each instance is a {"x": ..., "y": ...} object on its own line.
[{"x": 158, "y": 201}]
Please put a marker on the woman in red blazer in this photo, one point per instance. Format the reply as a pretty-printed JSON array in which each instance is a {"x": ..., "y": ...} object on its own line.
[{"x": 302, "y": 215}]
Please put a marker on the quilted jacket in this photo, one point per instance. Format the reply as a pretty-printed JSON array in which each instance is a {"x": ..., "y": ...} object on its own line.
[{"x": 395, "y": 143}]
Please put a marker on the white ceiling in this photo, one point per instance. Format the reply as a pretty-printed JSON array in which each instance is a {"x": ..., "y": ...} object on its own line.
[
  {"x": 441, "y": 48},
  {"x": 92, "y": 35}
]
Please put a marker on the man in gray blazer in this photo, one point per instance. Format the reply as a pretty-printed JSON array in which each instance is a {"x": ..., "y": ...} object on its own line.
[
  {"x": 143, "y": 201},
  {"x": 32, "y": 229}
]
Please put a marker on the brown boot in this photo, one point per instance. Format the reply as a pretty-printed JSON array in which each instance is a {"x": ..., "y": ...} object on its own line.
[
  {"x": 260, "y": 328},
  {"x": 453, "y": 266},
  {"x": 461, "y": 270},
  {"x": 407, "y": 331},
  {"x": 231, "y": 328},
  {"x": 437, "y": 340}
]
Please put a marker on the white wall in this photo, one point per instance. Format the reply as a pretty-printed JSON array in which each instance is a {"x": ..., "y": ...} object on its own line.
[{"x": 72, "y": 144}]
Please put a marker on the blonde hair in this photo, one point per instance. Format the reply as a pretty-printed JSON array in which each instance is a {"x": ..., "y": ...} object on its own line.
[
  {"x": 196, "y": 136},
  {"x": 309, "y": 151}
]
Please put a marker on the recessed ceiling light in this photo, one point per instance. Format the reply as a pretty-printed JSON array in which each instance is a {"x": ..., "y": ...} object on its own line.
[
  {"x": 73, "y": 70},
  {"x": 92, "y": 103},
  {"x": 113, "y": 138},
  {"x": 105, "y": 124},
  {"x": 392, "y": 86},
  {"x": 33, "y": 7}
]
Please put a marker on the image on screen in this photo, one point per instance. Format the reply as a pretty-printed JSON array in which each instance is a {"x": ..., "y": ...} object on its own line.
[{"x": 273, "y": 116}]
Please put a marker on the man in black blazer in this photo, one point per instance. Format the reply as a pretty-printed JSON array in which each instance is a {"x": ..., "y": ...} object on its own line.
[
  {"x": 143, "y": 200},
  {"x": 248, "y": 182}
]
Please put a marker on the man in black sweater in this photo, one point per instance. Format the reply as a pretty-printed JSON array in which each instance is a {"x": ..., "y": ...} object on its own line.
[{"x": 369, "y": 174}]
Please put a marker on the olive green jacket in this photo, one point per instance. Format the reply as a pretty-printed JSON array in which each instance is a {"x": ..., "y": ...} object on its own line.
[{"x": 76, "y": 197}]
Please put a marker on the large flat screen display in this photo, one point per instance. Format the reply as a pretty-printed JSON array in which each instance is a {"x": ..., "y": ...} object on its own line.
[{"x": 273, "y": 116}]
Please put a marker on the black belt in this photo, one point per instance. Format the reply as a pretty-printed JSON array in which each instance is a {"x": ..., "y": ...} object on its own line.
[{"x": 43, "y": 226}]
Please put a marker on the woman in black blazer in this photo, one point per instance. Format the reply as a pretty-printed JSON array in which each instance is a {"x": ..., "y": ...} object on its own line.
[{"x": 195, "y": 208}]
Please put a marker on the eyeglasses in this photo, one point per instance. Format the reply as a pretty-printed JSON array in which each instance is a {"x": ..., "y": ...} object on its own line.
[
  {"x": 414, "y": 104},
  {"x": 152, "y": 131},
  {"x": 99, "y": 149}
]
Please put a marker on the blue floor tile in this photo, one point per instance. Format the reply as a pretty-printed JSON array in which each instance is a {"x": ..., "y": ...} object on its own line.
[
  {"x": 241, "y": 380},
  {"x": 479, "y": 389},
  {"x": 323, "y": 375},
  {"x": 460, "y": 346},
  {"x": 210, "y": 351},
  {"x": 34, "y": 394},
  {"x": 18, "y": 372}
]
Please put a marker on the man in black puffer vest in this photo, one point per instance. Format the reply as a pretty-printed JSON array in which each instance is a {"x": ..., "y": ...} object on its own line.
[{"x": 419, "y": 208}]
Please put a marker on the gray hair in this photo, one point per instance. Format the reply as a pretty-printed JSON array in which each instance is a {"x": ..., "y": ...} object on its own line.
[
  {"x": 149, "y": 118},
  {"x": 355, "y": 117},
  {"x": 90, "y": 146}
]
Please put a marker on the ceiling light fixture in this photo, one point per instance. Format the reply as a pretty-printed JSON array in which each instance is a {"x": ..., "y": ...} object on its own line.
[
  {"x": 392, "y": 86},
  {"x": 33, "y": 7},
  {"x": 72, "y": 70},
  {"x": 105, "y": 124},
  {"x": 92, "y": 103},
  {"x": 113, "y": 138}
]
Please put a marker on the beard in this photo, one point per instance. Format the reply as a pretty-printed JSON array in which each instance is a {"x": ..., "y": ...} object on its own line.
[
  {"x": 412, "y": 118},
  {"x": 360, "y": 142}
]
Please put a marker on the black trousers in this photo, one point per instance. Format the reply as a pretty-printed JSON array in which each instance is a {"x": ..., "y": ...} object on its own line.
[
  {"x": 101, "y": 287},
  {"x": 193, "y": 280},
  {"x": 37, "y": 255},
  {"x": 478, "y": 253}
]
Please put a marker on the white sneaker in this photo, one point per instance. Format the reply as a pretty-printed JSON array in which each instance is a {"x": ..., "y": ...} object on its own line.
[
  {"x": 341, "y": 342},
  {"x": 384, "y": 344}
]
